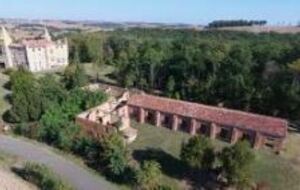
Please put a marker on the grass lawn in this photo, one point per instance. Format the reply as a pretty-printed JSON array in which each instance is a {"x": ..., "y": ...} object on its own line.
[
  {"x": 279, "y": 171},
  {"x": 102, "y": 71},
  {"x": 7, "y": 160},
  {"x": 166, "y": 143}
]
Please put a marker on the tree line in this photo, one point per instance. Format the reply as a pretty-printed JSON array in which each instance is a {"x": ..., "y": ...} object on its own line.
[{"x": 236, "y": 23}]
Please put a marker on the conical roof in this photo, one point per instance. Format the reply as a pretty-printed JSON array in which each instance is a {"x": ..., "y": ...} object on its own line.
[
  {"x": 47, "y": 35},
  {"x": 5, "y": 36}
]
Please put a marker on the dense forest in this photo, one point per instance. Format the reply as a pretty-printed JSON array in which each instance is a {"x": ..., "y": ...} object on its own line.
[{"x": 251, "y": 72}]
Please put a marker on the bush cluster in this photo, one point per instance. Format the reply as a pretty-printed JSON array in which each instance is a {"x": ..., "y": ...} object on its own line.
[{"x": 42, "y": 177}]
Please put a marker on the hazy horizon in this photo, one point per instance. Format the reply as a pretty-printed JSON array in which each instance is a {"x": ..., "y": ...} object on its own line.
[{"x": 157, "y": 11}]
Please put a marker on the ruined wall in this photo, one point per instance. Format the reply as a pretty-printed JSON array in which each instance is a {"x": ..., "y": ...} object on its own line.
[{"x": 93, "y": 129}]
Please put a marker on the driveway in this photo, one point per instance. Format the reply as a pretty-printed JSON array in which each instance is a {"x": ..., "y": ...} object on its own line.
[{"x": 79, "y": 177}]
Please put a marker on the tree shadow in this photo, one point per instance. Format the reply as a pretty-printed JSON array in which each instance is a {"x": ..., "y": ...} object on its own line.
[
  {"x": 111, "y": 76},
  {"x": 7, "y": 85},
  {"x": 170, "y": 165},
  {"x": 175, "y": 168},
  {"x": 8, "y": 98},
  {"x": 19, "y": 171}
]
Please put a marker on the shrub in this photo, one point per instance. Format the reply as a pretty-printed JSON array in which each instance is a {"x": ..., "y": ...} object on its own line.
[
  {"x": 198, "y": 153},
  {"x": 28, "y": 130},
  {"x": 148, "y": 177},
  {"x": 237, "y": 164},
  {"x": 42, "y": 177}
]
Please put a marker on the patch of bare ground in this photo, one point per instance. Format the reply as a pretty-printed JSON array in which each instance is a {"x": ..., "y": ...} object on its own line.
[{"x": 10, "y": 181}]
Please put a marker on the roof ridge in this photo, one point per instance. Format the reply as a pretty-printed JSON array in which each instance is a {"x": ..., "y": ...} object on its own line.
[{"x": 218, "y": 108}]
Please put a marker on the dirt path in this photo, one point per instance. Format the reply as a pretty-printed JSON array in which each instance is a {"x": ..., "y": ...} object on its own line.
[{"x": 79, "y": 177}]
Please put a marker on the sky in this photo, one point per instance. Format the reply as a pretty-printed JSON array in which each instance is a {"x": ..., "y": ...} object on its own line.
[{"x": 169, "y": 11}]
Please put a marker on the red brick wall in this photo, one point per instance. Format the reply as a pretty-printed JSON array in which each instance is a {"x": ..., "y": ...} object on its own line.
[{"x": 93, "y": 129}]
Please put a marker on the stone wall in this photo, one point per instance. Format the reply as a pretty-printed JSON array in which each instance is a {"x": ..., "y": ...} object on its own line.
[
  {"x": 93, "y": 129},
  {"x": 212, "y": 130}
]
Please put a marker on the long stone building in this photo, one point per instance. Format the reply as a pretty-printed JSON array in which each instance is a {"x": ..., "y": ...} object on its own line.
[
  {"x": 214, "y": 122},
  {"x": 35, "y": 54},
  {"x": 197, "y": 119}
]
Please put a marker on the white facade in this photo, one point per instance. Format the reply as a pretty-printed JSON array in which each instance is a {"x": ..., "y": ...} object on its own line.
[{"x": 35, "y": 54}]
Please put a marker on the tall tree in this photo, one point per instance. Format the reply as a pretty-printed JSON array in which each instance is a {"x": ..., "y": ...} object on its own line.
[
  {"x": 26, "y": 99},
  {"x": 198, "y": 153},
  {"x": 236, "y": 164},
  {"x": 114, "y": 155},
  {"x": 52, "y": 91},
  {"x": 75, "y": 76}
]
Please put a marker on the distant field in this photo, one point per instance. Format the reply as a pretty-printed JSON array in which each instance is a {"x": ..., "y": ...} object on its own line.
[
  {"x": 279, "y": 171},
  {"x": 260, "y": 29}
]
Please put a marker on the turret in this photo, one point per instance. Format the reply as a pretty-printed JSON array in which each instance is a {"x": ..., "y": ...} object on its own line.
[
  {"x": 47, "y": 35},
  {"x": 5, "y": 42},
  {"x": 5, "y": 36}
]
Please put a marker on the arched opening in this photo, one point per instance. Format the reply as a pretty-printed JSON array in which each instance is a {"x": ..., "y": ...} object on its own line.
[
  {"x": 150, "y": 117},
  {"x": 224, "y": 134},
  {"x": 184, "y": 125},
  {"x": 246, "y": 136},
  {"x": 166, "y": 120},
  {"x": 203, "y": 129},
  {"x": 134, "y": 113}
]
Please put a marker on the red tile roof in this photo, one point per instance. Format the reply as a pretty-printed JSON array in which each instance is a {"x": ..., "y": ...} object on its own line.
[
  {"x": 222, "y": 116},
  {"x": 40, "y": 43}
]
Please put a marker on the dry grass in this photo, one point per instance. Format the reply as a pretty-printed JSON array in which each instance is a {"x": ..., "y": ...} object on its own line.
[{"x": 8, "y": 179}]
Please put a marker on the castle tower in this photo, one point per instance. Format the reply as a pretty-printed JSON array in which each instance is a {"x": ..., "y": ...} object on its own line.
[
  {"x": 5, "y": 36},
  {"x": 5, "y": 54},
  {"x": 47, "y": 35}
]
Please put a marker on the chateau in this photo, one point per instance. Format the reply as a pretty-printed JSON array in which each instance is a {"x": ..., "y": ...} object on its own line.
[
  {"x": 35, "y": 54},
  {"x": 196, "y": 119}
]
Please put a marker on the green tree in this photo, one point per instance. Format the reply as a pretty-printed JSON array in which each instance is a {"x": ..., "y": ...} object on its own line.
[
  {"x": 149, "y": 176},
  {"x": 83, "y": 51},
  {"x": 170, "y": 88},
  {"x": 236, "y": 164},
  {"x": 198, "y": 153},
  {"x": 26, "y": 99},
  {"x": 94, "y": 98},
  {"x": 52, "y": 91},
  {"x": 114, "y": 154},
  {"x": 56, "y": 126},
  {"x": 75, "y": 76}
]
